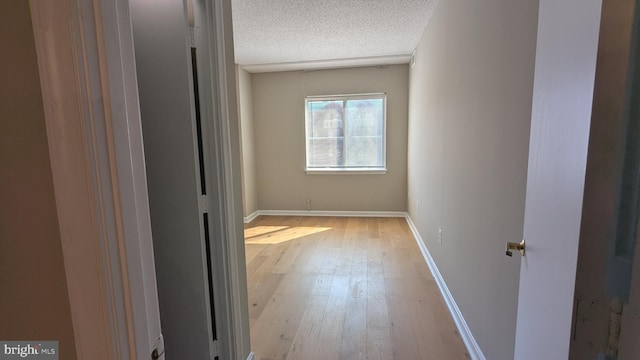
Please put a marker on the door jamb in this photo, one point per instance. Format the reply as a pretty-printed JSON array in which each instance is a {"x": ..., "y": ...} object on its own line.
[
  {"x": 223, "y": 152},
  {"x": 100, "y": 194},
  {"x": 88, "y": 79}
]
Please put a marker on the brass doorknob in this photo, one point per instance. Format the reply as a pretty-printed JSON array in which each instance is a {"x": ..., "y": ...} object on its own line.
[{"x": 515, "y": 246}]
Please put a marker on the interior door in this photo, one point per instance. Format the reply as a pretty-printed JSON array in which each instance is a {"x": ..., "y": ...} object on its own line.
[
  {"x": 173, "y": 147},
  {"x": 561, "y": 116}
]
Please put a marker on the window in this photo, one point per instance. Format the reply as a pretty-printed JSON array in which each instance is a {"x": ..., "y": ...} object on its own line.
[{"x": 346, "y": 133}]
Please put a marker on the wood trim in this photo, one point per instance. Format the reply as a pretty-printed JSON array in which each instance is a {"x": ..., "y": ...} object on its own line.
[
  {"x": 126, "y": 152},
  {"x": 85, "y": 58},
  {"x": 251, "y": 217},
  {"x": 467, "y": 337},
  {"x": 224, "y": 159},
  {"x": 60, "y": 47}
]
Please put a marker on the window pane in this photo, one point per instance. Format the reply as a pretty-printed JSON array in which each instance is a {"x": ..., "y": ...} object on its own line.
[
  {"x": 345, "y": 132},
  {"x": 365, "y": 142},
  {"x": 325, "y": 134},
  {"x": 327, "y": 153}
]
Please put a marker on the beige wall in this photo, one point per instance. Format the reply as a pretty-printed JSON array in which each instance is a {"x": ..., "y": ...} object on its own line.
[
  {"x": 278, "y": 109},
  {"x": 469, "y": 116},
  {"x": 34, "y": 304},
  {"x": 598, "y": 222},
  {"x": 247, "y": 141}
]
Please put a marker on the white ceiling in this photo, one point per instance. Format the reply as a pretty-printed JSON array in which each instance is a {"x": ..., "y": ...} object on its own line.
[{"x": 329, "y": 32}]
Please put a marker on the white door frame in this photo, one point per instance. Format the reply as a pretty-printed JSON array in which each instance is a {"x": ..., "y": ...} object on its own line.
[
  {"x": 88, "y": 79},
  {"x": 222, "y": 152}
]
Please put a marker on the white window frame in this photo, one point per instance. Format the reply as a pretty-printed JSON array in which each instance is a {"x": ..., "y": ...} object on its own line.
[{"x": 346, "y": 170}]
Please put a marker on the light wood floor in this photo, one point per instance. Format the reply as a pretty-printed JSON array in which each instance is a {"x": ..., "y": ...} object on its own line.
[{"x": 343, "y": 288}]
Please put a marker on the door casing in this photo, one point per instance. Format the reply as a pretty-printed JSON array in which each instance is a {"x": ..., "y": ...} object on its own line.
[{"x": 86, "y": 61}]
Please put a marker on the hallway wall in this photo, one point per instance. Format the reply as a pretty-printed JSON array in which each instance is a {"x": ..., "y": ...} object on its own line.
[
  {"x": 469, "y": 117},
  {"x": 34, "y": 304}
]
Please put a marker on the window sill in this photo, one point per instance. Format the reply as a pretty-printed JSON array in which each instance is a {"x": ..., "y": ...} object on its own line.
[{"x": 329, "y": 171}]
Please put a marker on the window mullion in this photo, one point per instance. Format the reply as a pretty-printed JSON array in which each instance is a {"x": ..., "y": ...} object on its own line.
[
  {"x": 344, "y": 133},
  {"x": 313, "y": 134}
]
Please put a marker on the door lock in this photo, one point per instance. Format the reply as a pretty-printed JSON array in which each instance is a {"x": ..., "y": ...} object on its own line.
[{"x": 515, "y": 246}]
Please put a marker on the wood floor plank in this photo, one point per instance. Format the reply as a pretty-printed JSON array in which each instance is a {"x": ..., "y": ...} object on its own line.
[
  {"x": 260, "y": 293},
  {"x": 359, "y": 259},
  {"x": 296, "y": 297},
  {"x": 266, "y": 323},
  {"x": 343, "y": 288},
  {"x": 354, "y": 338},
  {"x": 379, "y": 344},
  {"x": 330, "y": 336},
  {"x": 377, "y": 309},
  {"x": 288, "y": 258},
  {"x": 404, "y": 339},
  {"x": 315, "y": 260},
  {"x": 252, "y": 251},
  {"x": 323, "y": 285},
  {"x": 273, "y": 253},
  {"x": 305, "y": 342},
  {"x": 254, "y": 264},
  {"x": 330, "y": 261},
  {"x": 422, "y": 324}
]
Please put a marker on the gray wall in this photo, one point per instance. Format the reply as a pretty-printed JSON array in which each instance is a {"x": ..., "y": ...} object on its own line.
[
  {"x": 34, "y": 304},
  {"x": 469, "y": 117},
  {"x": 278, "y": 108},
  {"x": 247, "y": 141}
]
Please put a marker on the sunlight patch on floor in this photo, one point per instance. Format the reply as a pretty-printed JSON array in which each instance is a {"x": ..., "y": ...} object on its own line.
[
  {"x": 261, "y": 230},
  {"x": 265, "y": 235}
]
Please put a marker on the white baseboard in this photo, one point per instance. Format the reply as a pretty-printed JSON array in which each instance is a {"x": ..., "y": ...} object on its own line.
[
  {"x": 467, "y": 337},
  {"x": 251, "y": 217},
  {"x": 251, "y": 356},
  {"x": 325, "y": 213}
]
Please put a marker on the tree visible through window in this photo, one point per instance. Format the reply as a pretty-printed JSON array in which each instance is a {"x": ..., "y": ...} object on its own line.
[{"x": 346, "y": 132}]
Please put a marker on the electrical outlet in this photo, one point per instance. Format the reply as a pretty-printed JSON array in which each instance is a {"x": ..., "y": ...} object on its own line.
[{"x": 440, "y": 235}]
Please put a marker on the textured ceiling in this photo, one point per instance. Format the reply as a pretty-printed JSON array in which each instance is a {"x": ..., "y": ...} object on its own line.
[{"x": 291, "y": 31}]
